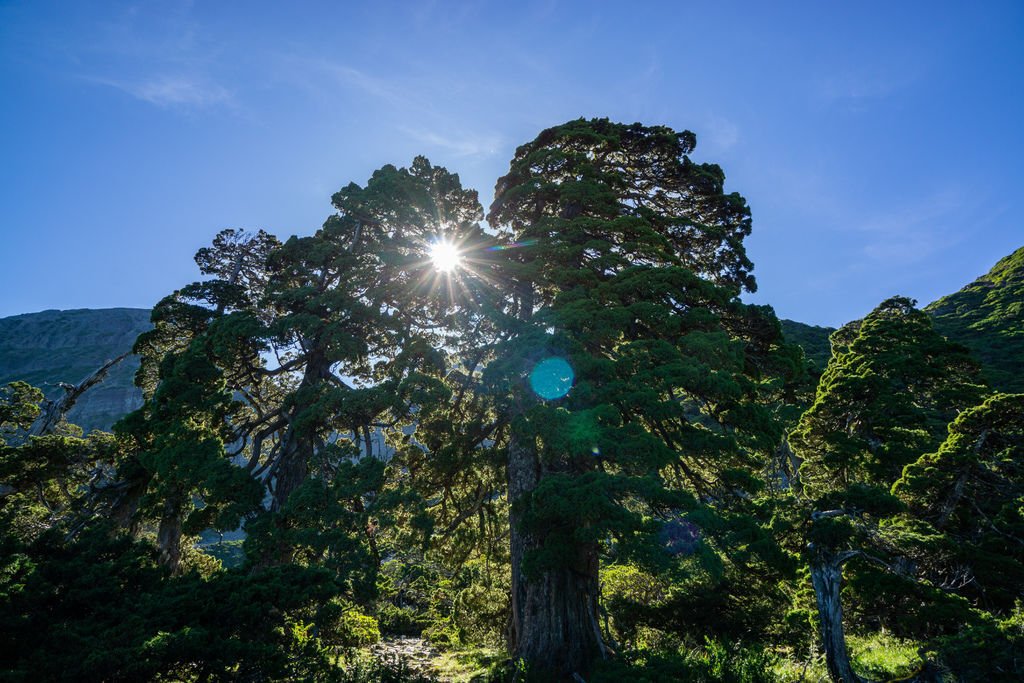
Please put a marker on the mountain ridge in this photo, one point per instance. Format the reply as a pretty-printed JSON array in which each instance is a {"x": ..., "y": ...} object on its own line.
[
  {"x": 53, "y": 346},
  {"x": 66, "y": 346},
  {"x": 987, "y": 316}
]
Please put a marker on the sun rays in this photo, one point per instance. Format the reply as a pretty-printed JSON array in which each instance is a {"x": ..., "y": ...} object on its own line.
[
  {"x": 457, "y": 267},
  {"x": 445, "y": 256}
]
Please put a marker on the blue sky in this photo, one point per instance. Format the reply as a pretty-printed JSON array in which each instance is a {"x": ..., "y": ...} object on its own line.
[{"x": 879, "y": 144}]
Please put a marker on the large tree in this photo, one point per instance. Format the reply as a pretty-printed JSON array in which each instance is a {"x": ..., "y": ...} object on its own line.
[
  {"x": 304, "y": 350},
  {"x": 891, "y": 387},
  {"x": 635, "y": 371},
  {"x": 968, "y": 495}
]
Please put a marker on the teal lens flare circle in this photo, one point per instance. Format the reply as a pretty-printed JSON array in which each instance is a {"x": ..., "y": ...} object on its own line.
[{"x": 551, "y": 378}]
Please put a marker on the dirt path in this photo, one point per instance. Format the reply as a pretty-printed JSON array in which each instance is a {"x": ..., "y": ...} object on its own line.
[{"x": 417, "y": 653}]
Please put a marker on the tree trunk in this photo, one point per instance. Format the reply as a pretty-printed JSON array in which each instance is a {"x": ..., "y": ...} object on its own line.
[
  {"x": 297, "y": 449},
  {"x": 124, "y": 509},
  {"x": 292, "y": 470},
  {"x": 554, "y": 625},
  {"x": 168, "y": 536},
  {"x": 827, "y": 577}
]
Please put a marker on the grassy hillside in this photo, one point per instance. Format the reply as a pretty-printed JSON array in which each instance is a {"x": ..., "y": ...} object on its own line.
[
  {"x": 67, "y": 346},
  {"x": 49, "y": 347},
  {"x": 813, "y": 339},
  {"x": 987, "y": 316}
]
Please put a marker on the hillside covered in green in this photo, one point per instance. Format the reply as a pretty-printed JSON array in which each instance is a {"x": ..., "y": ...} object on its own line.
[
  {"x": 987, "y": 316},
  {"x": 50, "y": 347},
  {"x": 813, "y": 339}
]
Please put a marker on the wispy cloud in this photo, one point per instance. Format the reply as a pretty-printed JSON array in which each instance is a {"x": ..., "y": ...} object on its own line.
[
  {"x": 408, "y": 101},
  {"x": 911, "y": 233},
  {"x": 466, "y": 145},
  {"x": 858, "y": 88},
  {"x": 159, "y": 54},
  {"x": 364, "y": 82},
  {"x": 720, "y": 134},
  {"x": 171, "y": 90},
  {"x": 328, "y": 80}
]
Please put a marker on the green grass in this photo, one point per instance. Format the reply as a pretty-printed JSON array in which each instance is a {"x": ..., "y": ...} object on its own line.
[
  {"x": 792, "y": 671},
  {"x": 881, "y": 656},
  {"x": 462, "y": 666}
]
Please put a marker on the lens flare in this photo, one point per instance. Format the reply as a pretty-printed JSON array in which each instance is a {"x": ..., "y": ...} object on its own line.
[
  {"x": 552, "y": 378},
  {"x": 445, "y": 256},
  {"x": 512, "y": 245}
]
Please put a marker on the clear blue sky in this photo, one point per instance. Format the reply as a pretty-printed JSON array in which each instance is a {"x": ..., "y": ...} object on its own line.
[{"x": 879, "y": 144}]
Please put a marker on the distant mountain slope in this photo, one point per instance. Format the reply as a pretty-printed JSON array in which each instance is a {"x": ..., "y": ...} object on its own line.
[
  {"x": 812, "y": 339},
  {"x": 49, "y": 347},
  {"x": 67, "y": 346},
  {"x": 987, "y": 316}
]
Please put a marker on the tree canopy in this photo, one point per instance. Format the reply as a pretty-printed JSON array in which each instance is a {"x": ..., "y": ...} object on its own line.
[{"x": 567, "y": 450}]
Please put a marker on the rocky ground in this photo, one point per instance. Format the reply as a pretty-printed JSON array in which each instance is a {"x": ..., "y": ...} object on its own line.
[{"x": 417, "y": 653}]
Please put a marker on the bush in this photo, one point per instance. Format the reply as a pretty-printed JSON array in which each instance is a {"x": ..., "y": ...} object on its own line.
[
  {"x": 399, "y": 621},
  {"x": 630, "y": 594},
  {"x": 883, "y": 656},
  {"x": 480, "y": 615},
  {"x": 713, "y": 662},
  {"x": 343, "y": 624},
  {"x": 391, "y": 670},
  {"x": 986, "y": 649}
]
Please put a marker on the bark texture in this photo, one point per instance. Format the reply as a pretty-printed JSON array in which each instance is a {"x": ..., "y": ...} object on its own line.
[
  {"x": 299, "y": 443},
  {"x": 827, "y": 578},
  {"x": 554, "y": 614},
  {"x": 168, "y": 536},
  {"x": 56, "y": 410}
]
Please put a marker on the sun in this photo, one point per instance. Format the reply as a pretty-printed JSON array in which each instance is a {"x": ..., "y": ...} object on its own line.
[{"x": 445, "y": 256}]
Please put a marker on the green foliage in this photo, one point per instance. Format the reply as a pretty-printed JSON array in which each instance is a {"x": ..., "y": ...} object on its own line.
[
  {"x": 108, "y": 611},
  {"x": 987, "y": 316},
  {"x": 46, "y": 482},
  {"x": 342, "y": 624},
  {"x": 631, "y": 598},
  {"x": 715, "y": 661},
  {"x": 19, "y": 406},
  {"x": 451, "y": 607},
  {"x": 813, "y": 339},
  {"x": 884, "y": 657},
  {"x": 983, "y": 649},
  {"x": 970, "y": 493},
  {"x": 884, "y": 398}
]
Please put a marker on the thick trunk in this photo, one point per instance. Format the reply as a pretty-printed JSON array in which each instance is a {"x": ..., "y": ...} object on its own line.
[
  {"x": 168, "y": 536},
  {"x": 124, "y": 510},
  {"x": 827, "y": 578},
  {"x": 291, "y": 471},
  {"x": 554, "y": 625},
  {"x": 298, "y": 446}
]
